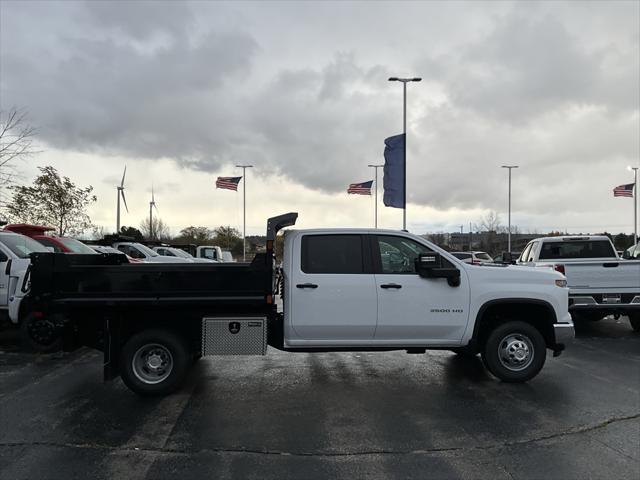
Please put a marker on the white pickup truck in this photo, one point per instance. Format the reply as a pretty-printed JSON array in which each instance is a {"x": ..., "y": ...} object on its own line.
[
  {"x": 342, "y": 290},
  {"x": 600, "y": 283},
  {"x": 14, "y": 264}
]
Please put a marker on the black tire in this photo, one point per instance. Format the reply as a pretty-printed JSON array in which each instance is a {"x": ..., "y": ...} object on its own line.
[
  {"x": 634, "y": 320},
  {"x": 505, "y": 346},
  {"x": 40, "y": 333},
  {"x": 154, "y": 362}
]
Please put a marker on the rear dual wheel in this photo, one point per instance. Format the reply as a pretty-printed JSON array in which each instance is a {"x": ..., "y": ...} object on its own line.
[
  {"x": 154, "y": 362},
  {"x": 514, "y": 352}
]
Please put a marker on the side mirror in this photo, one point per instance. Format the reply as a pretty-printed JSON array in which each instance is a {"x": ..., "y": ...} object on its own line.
[
  {"x": 429, "y": 265},
  {"x": 626, "y": 255}
]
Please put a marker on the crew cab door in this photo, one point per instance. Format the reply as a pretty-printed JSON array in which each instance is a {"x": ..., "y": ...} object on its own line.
[
  {"x": 332, "y": 290},
  {"x": 412, "y": 309}
]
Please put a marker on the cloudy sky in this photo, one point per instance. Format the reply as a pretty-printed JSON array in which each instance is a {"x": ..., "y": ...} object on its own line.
[{"x": 181, "y": 92}]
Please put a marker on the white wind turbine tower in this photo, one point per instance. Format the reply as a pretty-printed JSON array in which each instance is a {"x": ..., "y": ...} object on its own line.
[
  {"x": 121, "y": 193},
  {"x": 152, "y": 205}
]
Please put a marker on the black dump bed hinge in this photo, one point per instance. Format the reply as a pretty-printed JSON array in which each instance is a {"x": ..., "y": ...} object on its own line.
[{"x": 275, "y": 224}]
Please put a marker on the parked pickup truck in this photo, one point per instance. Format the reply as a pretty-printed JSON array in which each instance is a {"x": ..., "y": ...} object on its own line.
[
  {"x": 600, "y": 283},
  {"x": 341, "y": 290}
]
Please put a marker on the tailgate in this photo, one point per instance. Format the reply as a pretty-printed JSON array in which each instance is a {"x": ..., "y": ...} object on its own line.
[{"x": 619, "y": 275}]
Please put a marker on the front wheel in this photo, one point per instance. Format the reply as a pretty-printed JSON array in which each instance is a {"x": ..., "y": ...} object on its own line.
[
  {"x": 634, "y": 319},
  {"x": 154, "y": 362},
  {"x": 41, "y": 333},
  {"x": 514, "y": 352}
]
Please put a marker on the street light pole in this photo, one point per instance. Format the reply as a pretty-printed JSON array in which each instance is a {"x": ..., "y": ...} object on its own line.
[
  {"x": 376, "y": 167},
  {"x": 244, "y": 210},
  {"x": 635, "y": 203},
  {"x": 404, "y": 132},
  {"x": 509, "y": 231}
]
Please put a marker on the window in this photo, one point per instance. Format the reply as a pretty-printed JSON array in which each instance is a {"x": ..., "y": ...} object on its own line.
[
  {"x": 49, "y": 243},
  {"x": 462, "y": 256},
  {"x": 576, "y": 249},
  {"x": 484, "y": 257},
  {"x": 332, "y": 254},
  {"x": 75, "y": 245},
  {"x": 532, "y": 252},
  {"x": 398, "y": 254},
  {"x": 22, "y": 246}
]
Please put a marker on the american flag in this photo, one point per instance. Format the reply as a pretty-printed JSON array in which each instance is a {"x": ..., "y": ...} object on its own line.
[
  {"x": 624, "y": 190},
  {"x": 230, "y": 183},
  {"x": 363, "y": 188}
]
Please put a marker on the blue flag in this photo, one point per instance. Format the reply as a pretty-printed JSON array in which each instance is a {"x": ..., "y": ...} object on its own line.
[{"x": 394, "y": 171}]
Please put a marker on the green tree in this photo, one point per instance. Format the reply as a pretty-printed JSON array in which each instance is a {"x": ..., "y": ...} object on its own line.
[
  {"x": 132, "y": 232},
  {"x": 197, "y": 235},
  {"x": 228, "y": 238},
  {"x": 52, "y": 200}
]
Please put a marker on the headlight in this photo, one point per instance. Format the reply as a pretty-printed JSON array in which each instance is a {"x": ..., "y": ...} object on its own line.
[{"x": 561, "y": 283}]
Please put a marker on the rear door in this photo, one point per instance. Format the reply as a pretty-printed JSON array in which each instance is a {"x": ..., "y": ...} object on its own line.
[{"x": 332, "y": 288}]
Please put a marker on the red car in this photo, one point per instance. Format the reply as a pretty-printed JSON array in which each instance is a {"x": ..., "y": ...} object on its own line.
[{"x": 58, "y": 244}]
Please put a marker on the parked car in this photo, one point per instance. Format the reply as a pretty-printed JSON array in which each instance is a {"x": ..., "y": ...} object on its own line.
[
  {"x": 342, "y": 290},
  {"x": 475, "y": 258},
  {"x": 210, "y": 252},
  {"x": 36, "y": 331},
  {"x": 142, "y": 252},
  {"x": 179, "y": 253},
  {"x": 632, "y": 253},
  {"x": 58, "y": 244},
  {"x": 106, "y": 249},
  {"x": 600, "y": 284},
  {"x": 500, "y": 258}
]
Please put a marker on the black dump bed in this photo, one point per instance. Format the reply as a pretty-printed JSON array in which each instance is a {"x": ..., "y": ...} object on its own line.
[
  {"x": 64, "y": 282},
  {"x": 83, "y": 280}
]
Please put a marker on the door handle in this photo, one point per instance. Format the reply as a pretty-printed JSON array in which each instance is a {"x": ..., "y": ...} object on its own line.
[
  {"x": 391, "y": 285},
  {"x": 307, "y": 285}
]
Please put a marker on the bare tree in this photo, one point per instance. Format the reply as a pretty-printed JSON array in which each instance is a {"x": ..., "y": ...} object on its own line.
[
  {"x": 489, "y": 223},
  {"x": 16, "y": 142},
  {"x": 160, "y": 229}
]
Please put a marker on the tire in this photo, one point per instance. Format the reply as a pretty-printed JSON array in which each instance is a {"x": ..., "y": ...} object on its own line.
[
  {"x": 634, "y": 320},
  {"x": 154, "y": 362},
  {"x": 514, "y": 352},
  {"x": 40, "y": 334}
]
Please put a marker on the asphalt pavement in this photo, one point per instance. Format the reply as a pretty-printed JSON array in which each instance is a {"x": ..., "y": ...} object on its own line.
[{"x": 329, "y": 415}]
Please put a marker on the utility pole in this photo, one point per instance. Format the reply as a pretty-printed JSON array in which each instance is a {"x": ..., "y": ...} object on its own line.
[
  {"x": 635, "y": 203},
  {"x": 244, "y": 210},
  {"x": 510, "y": 167},
  {"x": 404, "y": 132},
  {"x": 376, "y": 167}
]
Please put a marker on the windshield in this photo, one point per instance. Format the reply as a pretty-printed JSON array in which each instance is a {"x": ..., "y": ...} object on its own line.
[
  {"x": 75, "y": 246},
  {"x": 147, "y": 251},
  {"x": 22, "y": 246}
]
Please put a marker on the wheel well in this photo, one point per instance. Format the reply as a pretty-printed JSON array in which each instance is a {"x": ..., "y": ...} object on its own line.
[{"x": 540, "y": 315}]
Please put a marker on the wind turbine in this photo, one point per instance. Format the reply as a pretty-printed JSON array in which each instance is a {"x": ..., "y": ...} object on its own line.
[
  {"x": 121, "y": 193},
  {"x": 152, "y": 205}
]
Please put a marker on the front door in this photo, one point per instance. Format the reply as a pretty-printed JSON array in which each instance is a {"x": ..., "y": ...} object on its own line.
[
  {"x": 332, "y": 289},
  {"x": 412, "y": 309}
]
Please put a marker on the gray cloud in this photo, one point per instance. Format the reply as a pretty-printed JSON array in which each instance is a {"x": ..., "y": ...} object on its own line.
[{"x": 541, "y": 85}]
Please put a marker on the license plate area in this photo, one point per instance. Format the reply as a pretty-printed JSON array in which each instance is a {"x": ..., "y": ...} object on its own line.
[{"x": 611, "y": 298}]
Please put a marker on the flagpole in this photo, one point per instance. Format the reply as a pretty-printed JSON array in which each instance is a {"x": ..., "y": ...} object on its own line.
[
  {"x": 635, "y": 204},
  {"x": 376, "y": 193},
  {"x": 404, "y": 134},
  {"x": 244, "y": 210}
]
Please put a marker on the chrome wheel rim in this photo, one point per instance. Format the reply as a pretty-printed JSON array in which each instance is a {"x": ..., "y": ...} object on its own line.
[
  {"x": 515, "y": 352},
  {"x": 152, "y": 363}
]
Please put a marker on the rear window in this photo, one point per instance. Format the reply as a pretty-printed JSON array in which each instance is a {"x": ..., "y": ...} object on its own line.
[
  {"x": 484, "y": 256},
  {"x": 462, "y": 256},
  {"x": 332, "y": 254},
  {"x": 576, "y": 249}
]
